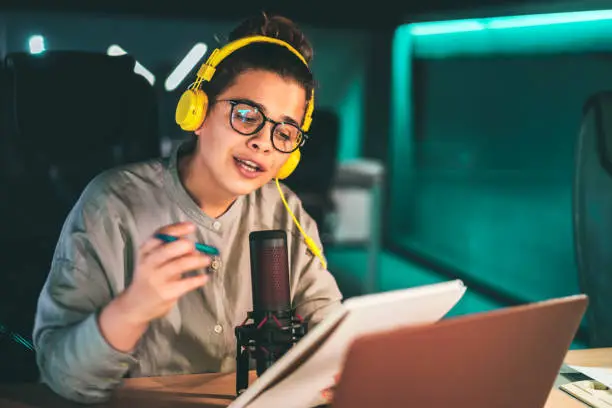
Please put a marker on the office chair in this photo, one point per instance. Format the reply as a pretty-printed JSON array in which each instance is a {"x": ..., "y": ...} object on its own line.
[
  {"x": 313, "y": 179},
  {"x": 592, "y": 215},
  {"x": 70, "y": 115},
  {"x": 18, "y": 360}
]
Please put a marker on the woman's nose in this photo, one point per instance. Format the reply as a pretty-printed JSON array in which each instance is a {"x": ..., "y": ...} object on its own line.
[{"x": 261, "y": 140}]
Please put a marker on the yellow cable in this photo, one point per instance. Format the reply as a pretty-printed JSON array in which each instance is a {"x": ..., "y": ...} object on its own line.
[{"x": 309, "y": 241}]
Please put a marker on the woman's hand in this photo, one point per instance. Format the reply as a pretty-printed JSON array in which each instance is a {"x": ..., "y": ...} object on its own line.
[
  {"x": 157, "y": 285},
  {"x": 328, "y": 393},
  {"x": 158, "y": 280}
]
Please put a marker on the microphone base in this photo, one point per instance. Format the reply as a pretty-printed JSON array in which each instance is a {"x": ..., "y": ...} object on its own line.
[{"x": 266, "y": 339}]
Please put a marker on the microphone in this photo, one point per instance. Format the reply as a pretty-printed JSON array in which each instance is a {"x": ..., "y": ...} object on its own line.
[
  {"x": 274, "y": 326},
  {"x": 269, "y": 271}
]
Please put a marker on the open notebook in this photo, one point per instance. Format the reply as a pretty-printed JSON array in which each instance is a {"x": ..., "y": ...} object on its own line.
[{"x": 297, "y": 379}]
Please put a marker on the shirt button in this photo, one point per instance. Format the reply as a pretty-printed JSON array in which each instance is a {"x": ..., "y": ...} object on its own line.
[
  {"x": 215, "y": 264},
  {"x": 218, "y": 329},
  {"x": 216, "y": 225}
]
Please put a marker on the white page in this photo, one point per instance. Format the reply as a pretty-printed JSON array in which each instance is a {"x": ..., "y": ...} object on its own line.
[
  {"x": 600, "y": 374},
  {"x": 367, "y": 314}
]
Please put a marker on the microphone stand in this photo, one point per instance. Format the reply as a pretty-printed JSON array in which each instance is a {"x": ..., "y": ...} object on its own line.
[{"x": 266, "y": 339}]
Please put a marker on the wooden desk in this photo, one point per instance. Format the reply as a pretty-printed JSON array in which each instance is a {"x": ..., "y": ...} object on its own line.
[
  {"x": 181, "y": 391},
  {"x": 217, "y": 390},
  {"x": 590, "y": 357}
]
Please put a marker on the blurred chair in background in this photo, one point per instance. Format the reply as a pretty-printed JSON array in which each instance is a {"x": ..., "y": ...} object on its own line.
[
  {"x": 312, "y": 180},
  {"x": 16, "y": 355},
  {"x": 358, "y": 196},
  {"x": 593, "y": 215},
  {"x": 67, "y": 116}
]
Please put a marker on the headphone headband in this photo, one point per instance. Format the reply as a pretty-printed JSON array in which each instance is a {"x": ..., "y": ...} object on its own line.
[{"x": 207, "y": 70}]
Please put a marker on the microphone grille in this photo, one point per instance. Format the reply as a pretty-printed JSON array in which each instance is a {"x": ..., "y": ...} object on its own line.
[
  {"x": 270, "y": 270},
  {"x": 277, "y": 258}
]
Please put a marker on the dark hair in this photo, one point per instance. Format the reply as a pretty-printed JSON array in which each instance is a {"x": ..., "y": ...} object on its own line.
[{"x": 265, "y": 56}]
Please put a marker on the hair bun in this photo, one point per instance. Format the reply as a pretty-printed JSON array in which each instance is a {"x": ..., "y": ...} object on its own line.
[{"x": 277, "y": 27}]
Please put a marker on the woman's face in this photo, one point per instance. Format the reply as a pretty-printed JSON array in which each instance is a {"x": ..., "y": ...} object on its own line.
[{"x": 240, "y": 164}]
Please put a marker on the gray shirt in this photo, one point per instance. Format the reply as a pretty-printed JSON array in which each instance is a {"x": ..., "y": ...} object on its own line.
[{"x": 95, "y": 258}]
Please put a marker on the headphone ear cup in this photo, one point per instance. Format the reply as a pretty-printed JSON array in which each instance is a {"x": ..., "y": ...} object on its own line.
[
  {"x": 290, "y": 165},
  {"x": 191, "y": 109}
]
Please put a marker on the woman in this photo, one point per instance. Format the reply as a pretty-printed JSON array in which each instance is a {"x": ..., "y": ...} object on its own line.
[{"x": 119, "y": 301}]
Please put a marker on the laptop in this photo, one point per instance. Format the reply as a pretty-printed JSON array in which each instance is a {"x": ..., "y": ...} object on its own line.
[{"x": 505, "y": 358}]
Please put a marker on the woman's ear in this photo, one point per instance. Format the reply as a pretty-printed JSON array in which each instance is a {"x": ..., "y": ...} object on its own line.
[
  {"x": 198, "y": 131},
  {"x": 208, "y": 108}
]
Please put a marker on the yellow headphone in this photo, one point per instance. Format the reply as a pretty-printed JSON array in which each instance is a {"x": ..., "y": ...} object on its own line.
[{"x": 193, "y": 105}]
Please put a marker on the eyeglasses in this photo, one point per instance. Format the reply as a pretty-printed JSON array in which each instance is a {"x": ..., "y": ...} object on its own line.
[{"x": 247, "y": 119}]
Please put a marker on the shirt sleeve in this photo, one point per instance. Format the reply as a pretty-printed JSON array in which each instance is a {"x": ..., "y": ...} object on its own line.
[
  {"x": 317, "y": 293},
  {"x": 87, "y": 270}
]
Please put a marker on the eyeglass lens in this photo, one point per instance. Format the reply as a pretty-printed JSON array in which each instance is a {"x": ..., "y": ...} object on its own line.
[{"x": 247, "y": 119}]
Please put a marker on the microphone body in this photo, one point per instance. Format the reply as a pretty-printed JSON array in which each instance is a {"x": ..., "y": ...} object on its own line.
[{"x": 274, "y": 326}]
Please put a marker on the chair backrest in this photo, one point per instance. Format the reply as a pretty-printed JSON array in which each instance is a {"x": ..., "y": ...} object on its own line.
[
  {"x": 312, "y": 180},
  {"x": 67, "y": 117},
  {"x": 592, "y": 210},
  {"x": 77, "y": 113}
]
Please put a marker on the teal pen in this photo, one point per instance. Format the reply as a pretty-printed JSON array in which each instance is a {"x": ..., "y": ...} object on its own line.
[{"x": 206, "y": 249}]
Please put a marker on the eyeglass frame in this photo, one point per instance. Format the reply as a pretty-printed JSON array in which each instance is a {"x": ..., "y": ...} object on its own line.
[{"x": 235, "y": 102}]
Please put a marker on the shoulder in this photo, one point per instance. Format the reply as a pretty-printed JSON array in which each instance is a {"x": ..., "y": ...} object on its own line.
[
  {"x": 269, "y": 197},
  {"x": 118, "y": 186},
  {"x": 271, "y": 209}
]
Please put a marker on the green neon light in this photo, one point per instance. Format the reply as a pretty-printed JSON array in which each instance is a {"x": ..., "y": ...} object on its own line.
[
  {"x": 496, "y": 23},
  {"x": 401, "y": 143},
  {"x": 446, "y": 27},
  {"x": 550, "y": 19}
]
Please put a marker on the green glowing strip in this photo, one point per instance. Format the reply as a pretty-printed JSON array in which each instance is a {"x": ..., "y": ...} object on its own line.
[
  {"x": 400, "y": 153},
  {"x": 496, "y": 23}
]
